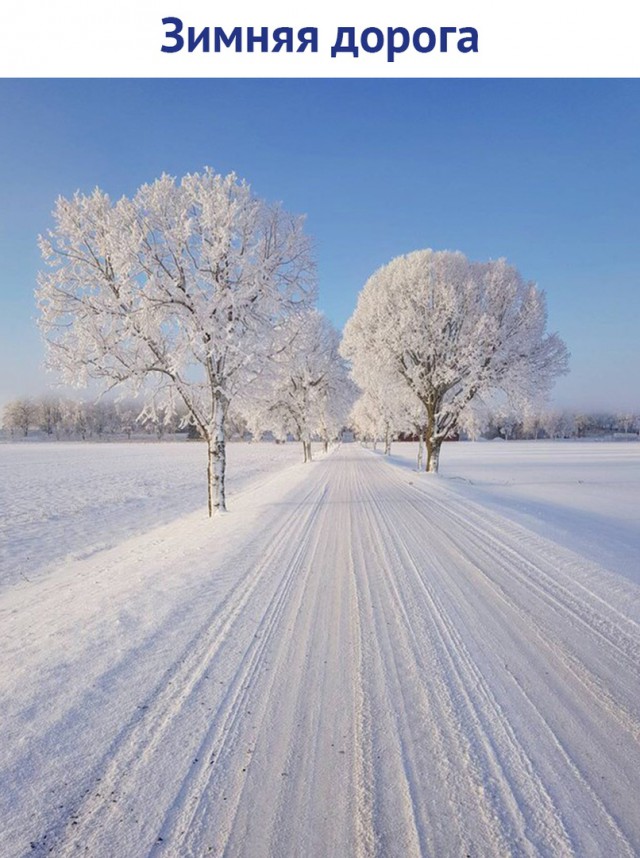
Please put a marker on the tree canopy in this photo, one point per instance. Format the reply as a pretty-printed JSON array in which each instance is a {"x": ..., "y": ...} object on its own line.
[
  {"x": 175, "y": 292},
  {"x": 451, "y": 330}
]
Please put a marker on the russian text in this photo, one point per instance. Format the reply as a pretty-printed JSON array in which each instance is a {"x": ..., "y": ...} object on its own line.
[
  {"x": 249, "y": 39},
  {"x": 397, "y": 40}
]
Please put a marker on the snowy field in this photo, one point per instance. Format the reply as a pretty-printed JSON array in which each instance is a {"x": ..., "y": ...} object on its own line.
[
  {"x": 356, "y": 661},
  {"x": 69, "y": 500},
  {"x": 583, "y": 494}
]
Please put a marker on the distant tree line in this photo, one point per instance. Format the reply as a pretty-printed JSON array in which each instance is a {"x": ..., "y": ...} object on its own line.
[
  {"x": 60, "y": 418},
  {"x": 549, "y": 423},
  {"x": 375, "y": 424},
  {"x": 306, "y": 401}
]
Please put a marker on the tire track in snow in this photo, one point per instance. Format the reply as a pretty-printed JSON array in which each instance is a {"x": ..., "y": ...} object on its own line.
[
  {"x": 365, "y": 842},
  {"x": 101, "y": 807},
  {"x": 505, "y": 775},
  {"x": 546, "y": 632},
  {"x": 396, "y": 830},
  {"x": 496, "y": 768},
  {"x": 544, "y": 637},
  {"x": 559, "y": 826},
  {"x": 499, "y": 559},
  {"x": 304, "y": 733},
  {"x": 512, "y": 577},
  {"x": 322, "y": 807},
  {"x": 475, "y": 525},
  {"x": 185, "y": 825},
  {"x": 399, "y": 674}
]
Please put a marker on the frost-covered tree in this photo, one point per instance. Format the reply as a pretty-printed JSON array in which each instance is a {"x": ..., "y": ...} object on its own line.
[
  {"x": 473, "y": 422},
  {"x": 506, "y": 421},
  {"x": 552, "y": 423},
  {"x": 532, "y": 423},
  {"x": 335, "y": 404},
  {"x": 628, "y": 422},
  {"x": 382, "y": 409},
  {"x": 305, "y": 389},
  {"x": 365, "y": 419},
  {"x": 453, "y": 330},
  {"x": 49, "y": 415},
  {"x": 100, "y": 417},
  {"x": 174, "y": 293},
  {"x": 413, "y": 419},
  {"x": 20, "y": 415},
  {"x": 127, "y": 413},
  {"x": 381, "y": 414}
]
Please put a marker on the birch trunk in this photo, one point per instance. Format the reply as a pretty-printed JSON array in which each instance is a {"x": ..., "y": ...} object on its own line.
[
  {"x": 387, "y": 441},
  {"x": 433, "y": 455},
  {"x": 217, "y": 463}
]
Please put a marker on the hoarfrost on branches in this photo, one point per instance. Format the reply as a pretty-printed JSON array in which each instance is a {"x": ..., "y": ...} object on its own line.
[
  {"x": 305, "y": 389},
  {"x": 452, "y": 330},
  {"x": 175, "y": 293}
]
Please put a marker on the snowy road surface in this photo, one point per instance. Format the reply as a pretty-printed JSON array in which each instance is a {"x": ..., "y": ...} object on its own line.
[{"x": 355, "y": 661}]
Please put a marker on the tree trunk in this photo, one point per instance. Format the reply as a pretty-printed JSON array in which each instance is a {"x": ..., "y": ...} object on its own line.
[
  {"x": 430, "y": 431},
  {"x": 325, "y": 445},
  {"x": 387, "y": 441},
  {"x": 433, "y": 454},
  {"x": 216, "y": 464},
  {"x": 420, "y": 450}
]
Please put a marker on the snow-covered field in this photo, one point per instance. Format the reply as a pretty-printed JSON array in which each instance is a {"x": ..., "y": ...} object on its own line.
[
  {"x": 356, "y": 660},
  {"x": 583, "y": 494},
  {"x": 68, "y": 500}
]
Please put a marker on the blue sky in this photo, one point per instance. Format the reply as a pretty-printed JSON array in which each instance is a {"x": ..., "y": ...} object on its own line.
[{"x": 543, "y": 172}]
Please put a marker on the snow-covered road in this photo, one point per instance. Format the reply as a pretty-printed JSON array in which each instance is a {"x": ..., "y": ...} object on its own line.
[{"x": 357, "y": 660}]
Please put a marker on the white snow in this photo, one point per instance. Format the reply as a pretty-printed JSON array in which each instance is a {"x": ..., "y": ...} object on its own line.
[
  {"x": 356, "y": 660},
  {"x": 583, "y": 494},
  {"x": 68, "y": 500}
]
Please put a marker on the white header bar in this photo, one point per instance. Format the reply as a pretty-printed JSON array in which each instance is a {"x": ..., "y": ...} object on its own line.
[{"x": 546, "y": 38}]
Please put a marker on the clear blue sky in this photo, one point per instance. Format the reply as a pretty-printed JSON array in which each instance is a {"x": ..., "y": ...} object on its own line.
[{"x": 546, "y": 173}]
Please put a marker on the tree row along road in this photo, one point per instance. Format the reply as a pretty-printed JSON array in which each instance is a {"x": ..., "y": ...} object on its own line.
[{"x": 380, "y": 668}]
